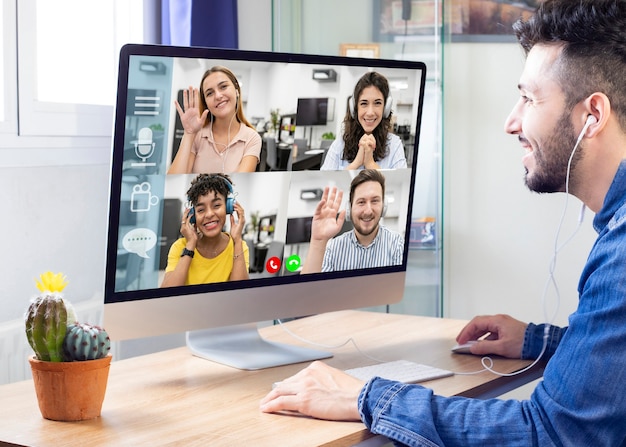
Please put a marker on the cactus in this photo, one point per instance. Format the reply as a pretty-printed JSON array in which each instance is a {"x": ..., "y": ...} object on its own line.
[
  {"x": 46, "y": 325},
  {"x": 86, "y": 342},
  {"x": 47, "y": 318}
]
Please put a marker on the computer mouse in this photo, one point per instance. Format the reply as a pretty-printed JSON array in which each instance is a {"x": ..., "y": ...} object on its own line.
[{"x": 464, "y": 348}]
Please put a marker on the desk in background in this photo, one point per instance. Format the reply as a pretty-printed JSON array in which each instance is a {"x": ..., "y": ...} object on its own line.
[
  {"x": 173, "y": 398},
  {"x": 306, "y": 159}
]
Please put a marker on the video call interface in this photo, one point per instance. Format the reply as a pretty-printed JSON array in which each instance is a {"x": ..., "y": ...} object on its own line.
[{"x": 279, "y": 204}]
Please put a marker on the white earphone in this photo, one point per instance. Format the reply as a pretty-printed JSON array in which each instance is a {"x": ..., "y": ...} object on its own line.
[{"x": 590, "y": 120}]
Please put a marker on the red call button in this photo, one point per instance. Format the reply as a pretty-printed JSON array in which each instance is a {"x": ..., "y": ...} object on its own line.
[{"x": 273, "y": 264}]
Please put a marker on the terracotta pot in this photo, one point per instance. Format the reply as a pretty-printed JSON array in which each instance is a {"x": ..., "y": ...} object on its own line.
[{"x": 70, "y": 391}]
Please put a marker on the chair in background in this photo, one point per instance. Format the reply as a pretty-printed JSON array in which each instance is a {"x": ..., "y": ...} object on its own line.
[
  {"x": 301, "y": 143},
  {"x": 271, "y": 159},
  {"x": 290, "y": 162},
  {"x": 251, "y": 253},
  {"x": 302, "y": 146},
  {"x": 325, "y": 144}
]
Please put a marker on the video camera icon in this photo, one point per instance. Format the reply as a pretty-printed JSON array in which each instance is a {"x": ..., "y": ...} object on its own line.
[{"x": 142, "y": 199}]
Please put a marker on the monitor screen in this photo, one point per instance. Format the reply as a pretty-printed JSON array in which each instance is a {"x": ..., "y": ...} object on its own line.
[
  {"x": 147, "y": 204},
  {"x": 298, "y": 230},
  {"x": 311, "y": 111}
]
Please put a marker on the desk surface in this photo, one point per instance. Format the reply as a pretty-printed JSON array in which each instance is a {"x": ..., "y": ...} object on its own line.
[
  {"x": 174, "y": 398},
  {"x": 302, "y": 162}
]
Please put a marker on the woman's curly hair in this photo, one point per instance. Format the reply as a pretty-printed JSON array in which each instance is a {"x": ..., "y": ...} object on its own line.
[{"x": 206, "y": 183}]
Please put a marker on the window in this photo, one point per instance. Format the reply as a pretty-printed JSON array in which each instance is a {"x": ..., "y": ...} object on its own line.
[{"x": 68, "y": 63}]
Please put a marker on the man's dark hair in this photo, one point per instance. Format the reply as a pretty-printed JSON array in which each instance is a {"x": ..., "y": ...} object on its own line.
[
  {"x": 367, "y": 175},
  {"x": 352, "y": 128},
  {"x": 593, "y": 57},
  {"x": 206, "y": 183}
]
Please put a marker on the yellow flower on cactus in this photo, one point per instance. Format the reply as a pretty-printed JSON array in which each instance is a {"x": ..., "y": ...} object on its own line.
[{"x": 51, "y": 282}]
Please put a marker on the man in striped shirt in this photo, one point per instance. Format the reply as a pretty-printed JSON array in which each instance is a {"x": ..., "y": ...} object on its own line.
[{"x": 368, "y": 244}]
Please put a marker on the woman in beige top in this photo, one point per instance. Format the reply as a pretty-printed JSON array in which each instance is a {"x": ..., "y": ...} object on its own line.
[{"x": 217, "y": 136}]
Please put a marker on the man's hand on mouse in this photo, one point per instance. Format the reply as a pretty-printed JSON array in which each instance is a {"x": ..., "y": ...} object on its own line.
[
  {"x": 319, "y": 391},
  {"x": 503, "y": 335}
]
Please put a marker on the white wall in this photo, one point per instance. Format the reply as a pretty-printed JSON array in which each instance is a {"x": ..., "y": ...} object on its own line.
[
  {"x": 53, "y": 218},
  {"x": 498, "y": 236}
]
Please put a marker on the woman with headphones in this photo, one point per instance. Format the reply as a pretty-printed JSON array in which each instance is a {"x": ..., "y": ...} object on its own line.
[
  {"x": 206, "y": 253},
  {"x": 367, "y": 141},
  {"x": 217, "y": 136}
]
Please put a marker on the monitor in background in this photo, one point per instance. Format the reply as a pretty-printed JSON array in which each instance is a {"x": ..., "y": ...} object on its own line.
[
  {"x": 221, "y": 318},
  {"x": 311, "y": 111},
  {"x": 299, "y": 230}
]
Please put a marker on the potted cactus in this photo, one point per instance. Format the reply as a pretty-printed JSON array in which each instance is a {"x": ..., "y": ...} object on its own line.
[{"x": 71, "y": 362}]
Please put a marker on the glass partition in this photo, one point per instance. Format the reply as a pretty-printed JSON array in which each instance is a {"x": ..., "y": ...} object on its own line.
[{"x": 399, "y": 30}]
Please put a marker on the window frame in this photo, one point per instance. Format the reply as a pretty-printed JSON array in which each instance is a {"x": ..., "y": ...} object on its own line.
[
  {"x": 9, "y": 60},
  {"x": 38, "y": 118},
  {"x": 55, "y": 140}
]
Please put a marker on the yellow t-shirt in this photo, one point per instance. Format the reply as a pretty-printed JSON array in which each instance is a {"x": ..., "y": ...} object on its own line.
[{"x": 203, "y": 270}]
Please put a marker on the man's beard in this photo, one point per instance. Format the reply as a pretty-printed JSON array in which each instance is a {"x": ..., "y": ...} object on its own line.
[
  {"x": 359, "y": 229},
  {"x": 552, "y": 158}
]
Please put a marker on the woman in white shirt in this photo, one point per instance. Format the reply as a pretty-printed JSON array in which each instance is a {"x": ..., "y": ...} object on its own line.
[{"x": 367, "y": 141}]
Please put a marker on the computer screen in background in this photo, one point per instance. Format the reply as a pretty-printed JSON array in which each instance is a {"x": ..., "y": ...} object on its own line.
[{"x": 311, "y": 111}]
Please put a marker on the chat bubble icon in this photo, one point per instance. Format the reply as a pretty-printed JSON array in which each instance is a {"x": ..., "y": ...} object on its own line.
[{"x": 139, "y": 241}]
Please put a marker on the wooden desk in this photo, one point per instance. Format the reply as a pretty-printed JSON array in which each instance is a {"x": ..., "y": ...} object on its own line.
[{"x": 172, "y": 398}]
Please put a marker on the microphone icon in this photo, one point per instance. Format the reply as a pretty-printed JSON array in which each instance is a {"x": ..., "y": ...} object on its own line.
[{"x": 144, "y": 146}]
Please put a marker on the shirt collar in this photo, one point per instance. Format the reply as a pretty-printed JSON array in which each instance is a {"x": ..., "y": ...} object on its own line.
[
  {"x": 614, "y": 199},
  {"x": 206, "y": 133},
  {"x": 356, "y": 241}
]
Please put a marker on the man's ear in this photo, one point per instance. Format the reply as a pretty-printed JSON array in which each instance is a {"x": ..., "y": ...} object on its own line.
[{"x": 598, "y": 107}]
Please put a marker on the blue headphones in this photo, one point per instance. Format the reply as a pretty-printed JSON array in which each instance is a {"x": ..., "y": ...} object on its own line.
[
  {"x": 230, "y": 197},
  {"x": 230, "y": 200}
]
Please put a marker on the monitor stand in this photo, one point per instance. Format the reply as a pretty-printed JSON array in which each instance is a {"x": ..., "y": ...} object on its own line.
[{"x": 242, "y": 347}]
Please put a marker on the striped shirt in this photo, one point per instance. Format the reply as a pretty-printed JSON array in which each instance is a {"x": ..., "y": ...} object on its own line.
[{"x": 344, "y": 252}]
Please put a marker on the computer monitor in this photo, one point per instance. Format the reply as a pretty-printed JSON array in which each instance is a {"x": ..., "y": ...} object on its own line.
[
  {"x": 220, "y": 319},
  {"x": 299, "y": 230},
  {"x": 311, "y": 111}
]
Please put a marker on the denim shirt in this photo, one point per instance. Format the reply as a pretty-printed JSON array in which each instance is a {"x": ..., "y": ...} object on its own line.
[{"x": 581, "y": 400}]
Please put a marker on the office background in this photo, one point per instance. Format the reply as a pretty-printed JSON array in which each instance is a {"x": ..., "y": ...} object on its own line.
[{"x": 498, "y": 238}]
